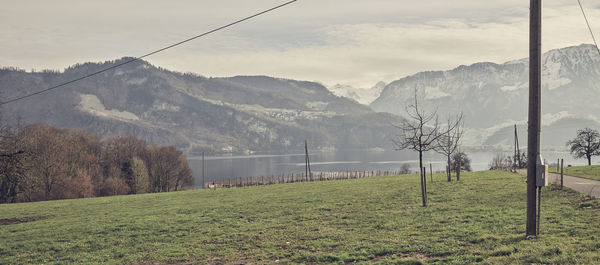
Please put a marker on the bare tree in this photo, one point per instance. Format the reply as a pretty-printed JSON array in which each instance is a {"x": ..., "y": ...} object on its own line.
[
  {"x": 12, "y": 159},
  {"x": 501, "y": 162},
  {"x": 40, "y": 162},
  {"x": 168, "y": 169},
  {"x": 46, "y": 170},
  {"x": 140, "y": 175},
  {"x": 449, "y": 142},
  {"x": 420, "y": 133},
  {"x": 585, "y": 144}
]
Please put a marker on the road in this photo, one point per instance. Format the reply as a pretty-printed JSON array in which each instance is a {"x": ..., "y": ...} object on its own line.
[{"x": 585, "y": 186}]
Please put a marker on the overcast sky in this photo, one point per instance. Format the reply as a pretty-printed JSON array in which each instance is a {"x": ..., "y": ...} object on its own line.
[{"x": 356, "y": 42}]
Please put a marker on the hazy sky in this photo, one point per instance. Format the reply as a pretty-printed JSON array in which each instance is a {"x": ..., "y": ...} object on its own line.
[{"x": 356, "y": 42}]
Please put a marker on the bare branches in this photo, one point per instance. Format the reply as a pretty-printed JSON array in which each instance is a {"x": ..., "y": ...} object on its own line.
[
  {"x": 422, "y": 132},
  {"x": 449, "y": 139},
  {"x": 11, "y": 165},
  {"x": 12, "y": 154}
]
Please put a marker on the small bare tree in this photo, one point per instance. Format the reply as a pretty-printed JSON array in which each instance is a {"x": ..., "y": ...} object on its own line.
[
  {"x": 449, "y": 142},
  {"x": 501, "y": 162},
  {"x": 420, "y": 133}
]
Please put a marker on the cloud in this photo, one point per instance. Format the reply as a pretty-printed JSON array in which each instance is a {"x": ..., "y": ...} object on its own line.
[{"x": 334, "y": 41}]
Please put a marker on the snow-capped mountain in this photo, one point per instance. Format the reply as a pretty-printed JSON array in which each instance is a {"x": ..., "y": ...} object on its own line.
[
  {"x": 491, "y": 94},
  {"x": 361, "y": 95}
]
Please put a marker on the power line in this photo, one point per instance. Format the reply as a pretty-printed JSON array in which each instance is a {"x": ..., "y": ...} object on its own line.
[
  {"x": 148, "y": 54},
  {"x": 588, "y": 24}
]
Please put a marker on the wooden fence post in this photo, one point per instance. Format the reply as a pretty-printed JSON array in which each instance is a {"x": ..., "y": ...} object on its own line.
[
  {"x": 431, "y": 172},
  {"x": 557, "y": 164},
  {"x": 561, "y": 172}
]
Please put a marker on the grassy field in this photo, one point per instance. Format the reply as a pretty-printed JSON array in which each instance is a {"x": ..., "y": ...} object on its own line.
[
  {"x": 588, "y": 172},
  {"x": 377, "y": 220}
]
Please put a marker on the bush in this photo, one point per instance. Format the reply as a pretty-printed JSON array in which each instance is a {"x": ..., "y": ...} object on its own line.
[
  {"x": 405, "y": 169},
  {"x": 462, "y": 159}
]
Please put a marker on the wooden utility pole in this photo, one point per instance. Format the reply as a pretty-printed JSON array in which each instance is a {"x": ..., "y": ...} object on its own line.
[
  {"x": 305, "y": 158},
  {"x": 517, "y": 157},
  {"x": 535, "y": 109},
  {"x": 202, "y": 170},
  {"x": 307, "y": 165},
  {"x": 561, "y": 172}
]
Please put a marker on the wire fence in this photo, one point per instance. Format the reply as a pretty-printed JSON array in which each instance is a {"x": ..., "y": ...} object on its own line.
[{"x": 298, "y": 177}]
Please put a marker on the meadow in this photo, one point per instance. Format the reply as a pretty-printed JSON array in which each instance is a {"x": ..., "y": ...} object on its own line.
[{"x": 480, "y": 219}]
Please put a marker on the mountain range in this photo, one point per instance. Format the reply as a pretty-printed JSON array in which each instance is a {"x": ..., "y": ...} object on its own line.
[
  {"x": 241, "y": 114},
  {"x": 494, "y": 97},
  {"x": 246, "y": 114}
]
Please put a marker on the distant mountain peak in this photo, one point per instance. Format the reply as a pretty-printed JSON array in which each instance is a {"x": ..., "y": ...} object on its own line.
[
  {"x": 361, "y": 95},
  {"x": 490, "y": 94}
]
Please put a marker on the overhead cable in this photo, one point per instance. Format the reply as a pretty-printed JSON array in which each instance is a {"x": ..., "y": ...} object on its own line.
[
  {"x": 588, "y": 25},
  {"x": 145, "y": 55}
]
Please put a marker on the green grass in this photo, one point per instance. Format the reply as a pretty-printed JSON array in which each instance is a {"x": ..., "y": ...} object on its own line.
[
  {"x": 376, "y": 220},
  {"x": 588, "y": 172}
]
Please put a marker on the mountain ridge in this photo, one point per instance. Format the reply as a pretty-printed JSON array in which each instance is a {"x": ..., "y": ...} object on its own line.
[
  {"x": 245, "y": 114},
  {"x": 240, "y": 114},
  {"x": 490, "y": 94}
]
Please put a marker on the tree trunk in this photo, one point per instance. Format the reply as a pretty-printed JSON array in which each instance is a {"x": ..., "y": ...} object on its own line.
[
  {"x": 589, "y": 158},
  {"x": 449, "y": 170},
  {"x": 423, "y": 190},
  {"x": 425, "y": 181},
  {"x": 48, "y": 186}
]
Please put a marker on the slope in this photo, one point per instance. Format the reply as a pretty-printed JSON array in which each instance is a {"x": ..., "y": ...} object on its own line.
[
  {"x": 479, "y": 219},
  {"x": 240, "y": 114}
]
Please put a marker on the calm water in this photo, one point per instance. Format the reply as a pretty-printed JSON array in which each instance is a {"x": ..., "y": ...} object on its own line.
[{"x": 224, "y": 167}]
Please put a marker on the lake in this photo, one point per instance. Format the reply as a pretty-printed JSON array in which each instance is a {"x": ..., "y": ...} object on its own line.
[{"x": 231, "y": 167}]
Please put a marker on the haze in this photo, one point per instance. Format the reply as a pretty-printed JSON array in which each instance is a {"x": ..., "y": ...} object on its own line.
[{"x": 335, "y": 41}]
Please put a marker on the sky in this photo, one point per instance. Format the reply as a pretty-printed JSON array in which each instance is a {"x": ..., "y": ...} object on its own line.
[{"x": 353, "y": 42}]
